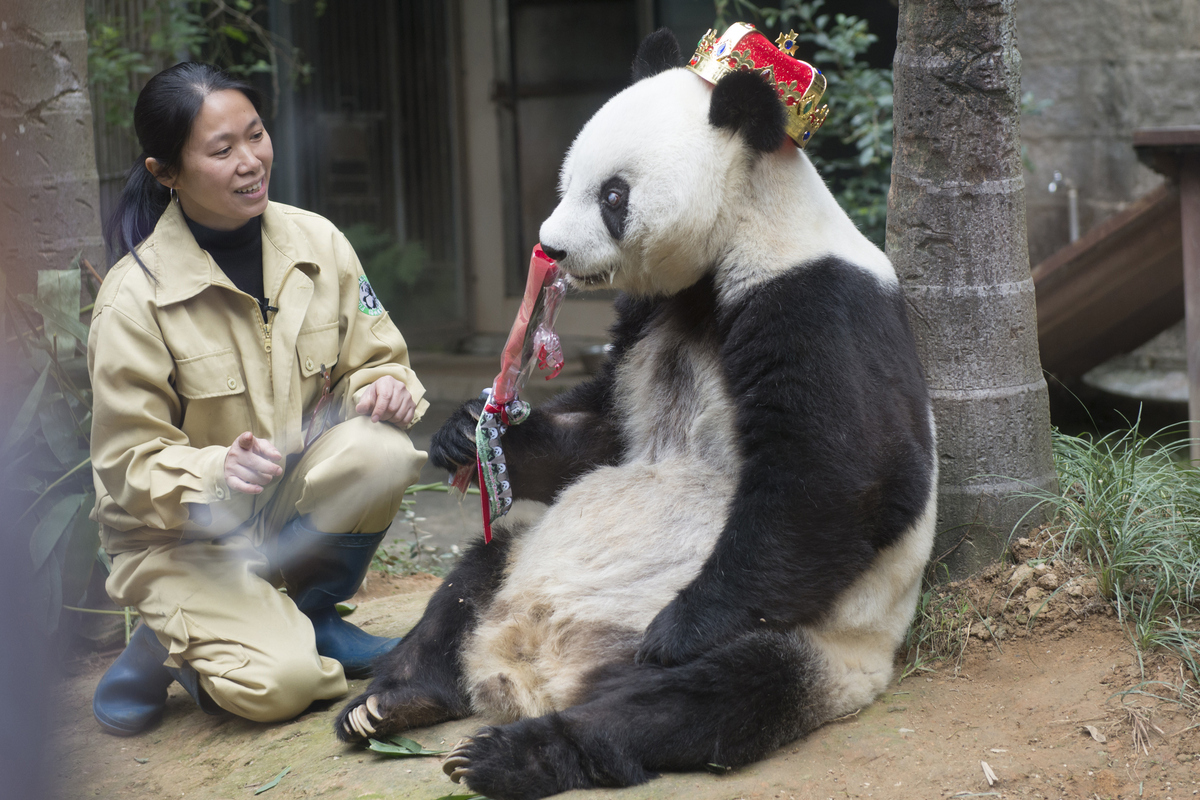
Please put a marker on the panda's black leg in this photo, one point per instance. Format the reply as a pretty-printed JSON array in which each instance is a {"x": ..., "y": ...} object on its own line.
[
  {"x": 729, "y": 707},
  {"x": 419, "y": 682}
]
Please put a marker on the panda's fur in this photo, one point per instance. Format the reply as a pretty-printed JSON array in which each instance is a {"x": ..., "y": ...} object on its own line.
[{"x": 720, "y": 539}]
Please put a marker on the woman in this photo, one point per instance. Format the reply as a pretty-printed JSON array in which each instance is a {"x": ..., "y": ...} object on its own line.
[{"x": 250, "y": 401}]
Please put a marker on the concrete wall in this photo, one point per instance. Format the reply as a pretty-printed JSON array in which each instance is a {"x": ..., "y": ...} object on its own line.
[{"x": 1108, "y": 67}]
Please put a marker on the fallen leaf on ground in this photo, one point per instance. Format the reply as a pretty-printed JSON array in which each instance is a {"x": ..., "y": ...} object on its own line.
[
  {"x": 1095, "y": 733},
  {"x": 271, "y": 784},
  {"x": 402, "y": 747}
]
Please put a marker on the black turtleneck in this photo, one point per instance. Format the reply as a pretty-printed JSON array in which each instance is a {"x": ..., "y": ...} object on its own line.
[{"x": 238, "y": 253}]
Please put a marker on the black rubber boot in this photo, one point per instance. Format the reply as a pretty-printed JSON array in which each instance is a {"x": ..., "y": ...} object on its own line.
[
  {"x": 321, "y": 570},
  {"x": 131, "y": 695}
]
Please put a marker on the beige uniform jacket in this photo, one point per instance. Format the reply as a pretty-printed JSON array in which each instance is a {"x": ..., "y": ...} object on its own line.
[{"x": 182, "y": 364}]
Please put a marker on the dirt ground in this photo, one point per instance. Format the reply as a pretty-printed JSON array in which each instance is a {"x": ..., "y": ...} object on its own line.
[{"x": 1021, "y": 701}]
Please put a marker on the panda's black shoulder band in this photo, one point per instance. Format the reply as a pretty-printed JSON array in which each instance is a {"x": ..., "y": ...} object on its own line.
[
  {"x": 745, "y": 103},
  {"x": 657, "y": 53}
]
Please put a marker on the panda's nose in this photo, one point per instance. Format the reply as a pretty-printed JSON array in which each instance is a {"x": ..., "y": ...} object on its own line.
[{"x": 554, "y": 252}]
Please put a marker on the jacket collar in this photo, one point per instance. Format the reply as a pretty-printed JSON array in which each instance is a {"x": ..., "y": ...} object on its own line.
[{"x": 182, "y": 270}]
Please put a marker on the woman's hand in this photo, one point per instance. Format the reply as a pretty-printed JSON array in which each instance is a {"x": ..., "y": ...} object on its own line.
[
  {"x": 387, "y": 400},
  {"x": 251, "y": 464}
]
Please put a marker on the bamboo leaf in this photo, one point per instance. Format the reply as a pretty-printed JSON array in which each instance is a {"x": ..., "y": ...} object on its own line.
[
  {"x": 401, "y": 747},
  {"x": 51, "y": 527},
  {"x": 47, "y": 587},
  {"x": 80, "y": 555},
  {"x": 58, "y": 289},
  {"x": 62, "y": 435},
  {"x": 69, "y": 327},
  {"x": 20, "y": 425},
  {"x": 271, "y": 784}
]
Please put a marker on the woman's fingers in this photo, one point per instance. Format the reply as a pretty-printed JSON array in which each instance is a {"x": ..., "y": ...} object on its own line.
[
  {"x": 250, "y": 464},
  {"x": 387, "y": 400},
  {"x": 267, "y": 450},
  {"x": 238, "y": 485},
  {"x": 248, "y": 474}
]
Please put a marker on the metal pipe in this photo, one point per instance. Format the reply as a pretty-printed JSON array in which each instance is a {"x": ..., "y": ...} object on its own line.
[{"x": 1072, "y": 204}]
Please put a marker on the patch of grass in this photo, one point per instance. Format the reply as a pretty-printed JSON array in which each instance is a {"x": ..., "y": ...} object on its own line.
[
  {"x": 417, "y": 555},
  {"x": 939, "y": 631},
  {"x": 1129, "y": 506}
]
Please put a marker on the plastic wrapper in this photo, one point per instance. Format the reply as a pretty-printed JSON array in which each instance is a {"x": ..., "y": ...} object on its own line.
[{"x": 531, "y": 344}]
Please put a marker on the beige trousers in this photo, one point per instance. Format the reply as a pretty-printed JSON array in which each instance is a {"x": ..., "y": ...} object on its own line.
[{"x": 213, "y": 603}]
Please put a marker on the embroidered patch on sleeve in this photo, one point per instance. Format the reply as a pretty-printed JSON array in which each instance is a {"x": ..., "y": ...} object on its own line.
[{"x": 368, "y": 303}]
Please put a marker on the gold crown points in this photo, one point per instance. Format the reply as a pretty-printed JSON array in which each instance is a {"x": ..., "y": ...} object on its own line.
[{"x": 717, "y": 57}]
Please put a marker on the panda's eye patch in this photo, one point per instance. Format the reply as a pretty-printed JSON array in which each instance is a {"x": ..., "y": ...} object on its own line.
[{"x": 614, "y": 205}]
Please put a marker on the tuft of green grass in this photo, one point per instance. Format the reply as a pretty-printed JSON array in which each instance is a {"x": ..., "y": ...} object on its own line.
[
  {"x": 417, "y": 555},
  {"x": 1129, "y": 506},
  {"x": 939, "y": 631}
]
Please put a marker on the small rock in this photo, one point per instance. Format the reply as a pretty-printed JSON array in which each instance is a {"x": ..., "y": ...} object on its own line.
[
  {"x": 1020, "y": 576},
  {"x": 1049, "y": 581},
  {"x": 981, "y": 633},
  {"x": 1041, "y": 569},
  {"x": 1034, "y": 593}
]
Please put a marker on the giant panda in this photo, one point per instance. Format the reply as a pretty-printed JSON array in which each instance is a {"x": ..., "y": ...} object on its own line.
[{"x": 718, "y": 542}]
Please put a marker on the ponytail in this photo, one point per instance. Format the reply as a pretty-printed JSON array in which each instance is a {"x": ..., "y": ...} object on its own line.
[
  {"x": 142, "y": 202},
  {"x": 163, "y": 116}
]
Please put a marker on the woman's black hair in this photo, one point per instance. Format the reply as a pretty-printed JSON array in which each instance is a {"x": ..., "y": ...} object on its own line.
[{"x": 163, "y": 117}]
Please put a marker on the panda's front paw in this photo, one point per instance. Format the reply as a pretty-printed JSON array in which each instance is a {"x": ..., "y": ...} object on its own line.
[
  {"x": 454, "y": 443},
  {"x": 360, "y": 719}
]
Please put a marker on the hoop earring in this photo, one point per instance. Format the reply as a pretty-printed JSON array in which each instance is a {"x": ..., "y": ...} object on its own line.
[{"x": 174, "y": 196}]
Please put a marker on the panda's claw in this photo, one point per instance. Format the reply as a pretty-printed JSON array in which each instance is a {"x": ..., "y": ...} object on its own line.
[
  {"x": 457, "y": 764},
  {"x": 362, "y": 721},
  {"x": 373, "y": 706}
]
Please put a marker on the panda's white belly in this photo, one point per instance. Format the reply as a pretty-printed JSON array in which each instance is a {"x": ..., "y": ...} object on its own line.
[{"x": 587, "y": 578}]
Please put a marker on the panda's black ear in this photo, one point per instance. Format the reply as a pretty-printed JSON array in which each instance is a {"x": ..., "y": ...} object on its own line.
[
  {"x": 657, "y": 53},
  {"x": 745, "y": 103}
]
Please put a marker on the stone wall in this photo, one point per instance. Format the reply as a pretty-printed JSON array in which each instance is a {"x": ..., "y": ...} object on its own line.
[{"x": 1107, "y": 67}]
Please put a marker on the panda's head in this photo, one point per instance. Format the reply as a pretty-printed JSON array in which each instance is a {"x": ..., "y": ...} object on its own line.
[{"x": 649, "y": 189}]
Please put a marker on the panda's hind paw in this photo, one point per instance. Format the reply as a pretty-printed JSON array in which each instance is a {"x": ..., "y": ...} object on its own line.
[{"x": 522, "y": 761}]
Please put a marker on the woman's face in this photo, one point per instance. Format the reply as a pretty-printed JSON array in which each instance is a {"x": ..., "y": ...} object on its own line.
[{"x": 225, "y": 165}]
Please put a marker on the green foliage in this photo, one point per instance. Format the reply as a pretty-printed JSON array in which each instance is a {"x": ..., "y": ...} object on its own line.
[
  {"x": 44, "y": 455},
  {"x": 1129, "y": 506},
  {"x": 393, "y": 268},
  {"x": 402, "y": 747},
  {"x": 233, "y": 35},
  {"x": 859, "y": 98},
  {"x": 939, "y": 630},
  {"x": 417, "y": 555}
]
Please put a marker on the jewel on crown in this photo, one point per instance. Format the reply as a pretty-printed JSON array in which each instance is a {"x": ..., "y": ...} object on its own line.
[{"x": 798, "y": 84}]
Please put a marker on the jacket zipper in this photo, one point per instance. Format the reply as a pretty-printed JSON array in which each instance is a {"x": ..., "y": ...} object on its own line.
[{"x": 266, "y": 329}]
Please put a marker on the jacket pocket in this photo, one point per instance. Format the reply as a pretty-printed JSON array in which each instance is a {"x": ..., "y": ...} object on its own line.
[
  {"x": 216, "y": 374},
  {"x": 316, "y": 347}
]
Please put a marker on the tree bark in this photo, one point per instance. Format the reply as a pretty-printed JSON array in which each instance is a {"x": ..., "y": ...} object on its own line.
[
  {"x": 956, "y": 233},
  {"x": 49, "y": 189}
]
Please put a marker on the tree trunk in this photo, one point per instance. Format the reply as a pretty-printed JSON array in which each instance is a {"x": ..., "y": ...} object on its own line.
[
  {"x": 49, "y": 190},
  {"x": 956, "y": 233}
]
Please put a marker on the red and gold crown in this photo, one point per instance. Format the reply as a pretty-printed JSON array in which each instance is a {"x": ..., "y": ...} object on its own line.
[{"x": 798, "y": 84}]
